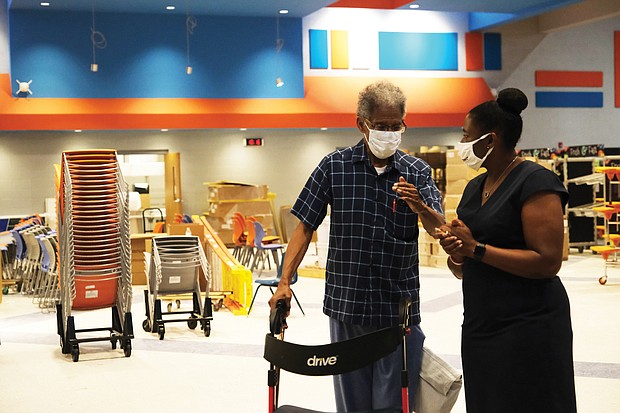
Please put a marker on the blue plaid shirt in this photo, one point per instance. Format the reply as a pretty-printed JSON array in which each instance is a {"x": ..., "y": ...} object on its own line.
[{"x": 373, "y": 250}]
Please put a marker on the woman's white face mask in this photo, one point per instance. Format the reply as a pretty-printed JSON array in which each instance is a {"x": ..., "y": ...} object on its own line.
[
  {"x": 383, "y": 144},
  {"x": 466, "y": 152}
]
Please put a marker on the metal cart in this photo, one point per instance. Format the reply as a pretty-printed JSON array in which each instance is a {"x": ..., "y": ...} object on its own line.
[{"x": 174, "y": 269}]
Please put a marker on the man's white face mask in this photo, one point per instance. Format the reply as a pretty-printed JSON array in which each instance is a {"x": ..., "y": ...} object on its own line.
[
  {"x": 383, "y": 144},
  {"x": 466, "y": 152}
]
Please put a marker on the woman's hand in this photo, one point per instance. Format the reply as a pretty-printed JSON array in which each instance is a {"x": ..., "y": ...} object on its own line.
[{"x": 459, "y": 240}]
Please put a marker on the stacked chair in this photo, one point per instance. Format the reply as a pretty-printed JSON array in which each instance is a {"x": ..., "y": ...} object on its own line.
[
  {"x": 174, "y": 269},
  {"x": 94, "y": 248}
]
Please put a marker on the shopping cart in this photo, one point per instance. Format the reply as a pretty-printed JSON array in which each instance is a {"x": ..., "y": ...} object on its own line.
[
  {"x": 174, "y": 270},
  {"x": 331, "y": 359}
]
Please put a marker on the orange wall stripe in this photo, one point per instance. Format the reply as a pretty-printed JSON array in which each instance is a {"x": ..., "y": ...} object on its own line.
[
  {"x": 371, "y": 4},
  {"x": 340, "y": 49},
  {"x": 474, "y": 58},
  {"x": 569, "y": 78},
  {"x": 617, "y": 68},
  {"x": 432, "y": 102}
]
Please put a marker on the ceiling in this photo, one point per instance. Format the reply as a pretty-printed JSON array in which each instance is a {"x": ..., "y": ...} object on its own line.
[{"x": 297, "y": 8}]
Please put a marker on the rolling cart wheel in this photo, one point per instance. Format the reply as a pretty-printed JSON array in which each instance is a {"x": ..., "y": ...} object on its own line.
[
  {"x": 127, "y": 348},
  {"x": 75, "y": 353},
  {"x": 178, "y": 302},
  {"x": 207, "y": 329},
  {"x": 169, "y": 307},
  {"x": 603, "y": 280},
  {"x": 146, "y": 325},
  {"x": 5, "y": 290},
  {"x": 113, "y": 343},
  {"x": 161, "y": 331},
  {"x": 192, "y": 323},
  {"x": 580, "y": 249}
]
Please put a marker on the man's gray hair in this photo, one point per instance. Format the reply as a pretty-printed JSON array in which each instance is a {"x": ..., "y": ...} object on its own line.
[{"x": 380, "y": 94}]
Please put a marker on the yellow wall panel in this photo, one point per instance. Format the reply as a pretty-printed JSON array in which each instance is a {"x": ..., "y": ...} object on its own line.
[{"x": 340, "y": 49}]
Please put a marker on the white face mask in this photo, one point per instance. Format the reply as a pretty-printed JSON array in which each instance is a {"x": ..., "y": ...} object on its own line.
[
  {"x": 383, "y": 144},
  {"x": 466, "y": 151}
]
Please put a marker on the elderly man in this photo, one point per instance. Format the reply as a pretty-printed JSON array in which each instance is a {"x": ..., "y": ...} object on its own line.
[{"x": 376, "y": 194}]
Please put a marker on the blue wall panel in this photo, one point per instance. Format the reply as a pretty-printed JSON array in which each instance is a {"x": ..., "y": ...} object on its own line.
[
  {"x": 318, "y": 49},
  {"x": 418, "y": 51},
  {"x": 569, "y": 99},
  {"x": 492, "y": 51},
  {"x": 146, "y": 57}
]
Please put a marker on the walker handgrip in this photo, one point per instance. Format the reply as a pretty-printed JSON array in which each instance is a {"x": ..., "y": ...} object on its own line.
[{"x": 277, "y": 317}]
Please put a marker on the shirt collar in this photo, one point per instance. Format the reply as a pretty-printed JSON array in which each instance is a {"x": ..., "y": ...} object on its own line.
[{"x": 360, "y": 155}]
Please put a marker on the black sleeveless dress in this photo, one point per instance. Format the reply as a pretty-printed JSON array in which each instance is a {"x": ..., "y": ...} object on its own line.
[{"x": 516, "y": 338}]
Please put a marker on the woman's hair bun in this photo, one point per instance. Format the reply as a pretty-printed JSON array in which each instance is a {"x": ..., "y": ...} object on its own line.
[{"x": 512, "y": 100}]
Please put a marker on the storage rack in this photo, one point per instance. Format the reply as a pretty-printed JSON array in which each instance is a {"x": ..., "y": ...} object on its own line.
[
  {"x": 582, "y": 219},
  {"x": 609, "y": 212}
]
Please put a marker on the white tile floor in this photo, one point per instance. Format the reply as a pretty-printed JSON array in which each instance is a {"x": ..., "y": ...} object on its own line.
[{"x": 187, "y": 372}]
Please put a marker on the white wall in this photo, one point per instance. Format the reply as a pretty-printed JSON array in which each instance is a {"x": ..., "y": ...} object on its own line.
[
  {"x": 587, "y": 47},
  {"x": 283, "y": 163}
]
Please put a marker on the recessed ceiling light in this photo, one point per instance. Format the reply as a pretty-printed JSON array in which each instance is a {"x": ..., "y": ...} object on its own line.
[
  {"x": 414, "y": 6},
  {"x": 283, "y": 11},
  {"x": 243, "y": 129},
  {"x": 323, "y": 128},
  {"x": 45, "y": 4},
  {"x": 170, "y": 7},
  {"x": 78, "y": 130},
  {"x": 164, "y": 130}
]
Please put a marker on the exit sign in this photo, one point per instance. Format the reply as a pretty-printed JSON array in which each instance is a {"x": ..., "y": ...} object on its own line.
[{"x": 253, "y": 142}]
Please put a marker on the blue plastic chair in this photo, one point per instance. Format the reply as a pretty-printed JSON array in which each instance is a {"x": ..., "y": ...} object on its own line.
[
  {"x": 272, "y": 283},
  {"x": 262, "y": 249}
]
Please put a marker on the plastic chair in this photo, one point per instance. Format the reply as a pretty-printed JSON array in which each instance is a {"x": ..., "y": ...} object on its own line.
[
  {"x": 239, "y": 236},
  {"x": 263, "y": 249},
  {"x": 250, "y": 248},
  {"x": 331, "y": 359},
  {"x": 272, "y": 283}
]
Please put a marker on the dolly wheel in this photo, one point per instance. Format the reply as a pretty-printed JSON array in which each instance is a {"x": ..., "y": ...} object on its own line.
[
  {"x": 207, "y": 330},
  {"x": 161, "y": 331},
  {"x": 603, "y": 280},
  {"x": 178, "y": 302},
  {"x": 113, "y": 343},
  {"x": 127, "y": 349},
  {"x": 75, "y": 353},
  {"x": 192, "y": 323},
  {"x": 146, "y": 325}
]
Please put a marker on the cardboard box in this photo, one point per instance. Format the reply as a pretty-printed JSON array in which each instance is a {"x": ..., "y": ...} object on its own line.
[
  {"x": 424, "y": 260},
  {"x": 227, "y": 209},
  {"x": 455, "y": 172},
  {"x": 453, "y": 157},
  {"x": 439, "y": 261},
  {"x": 451, "y": 201},
  {"x": 425, "y": 248},
  {"x": 227, "y": 191},
  {"x": 450, "y": 214},
  {"x": 456, "y": 187},
  {"x": 181, "y": 229}
]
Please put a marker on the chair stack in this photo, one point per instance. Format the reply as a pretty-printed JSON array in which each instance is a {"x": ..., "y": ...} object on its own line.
[
  {"x": 173, "y": 270},
  {"x": 94, "y": 246}
]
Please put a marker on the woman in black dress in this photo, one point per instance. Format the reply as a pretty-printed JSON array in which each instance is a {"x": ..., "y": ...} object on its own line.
[{"x": 506, "y": 245}]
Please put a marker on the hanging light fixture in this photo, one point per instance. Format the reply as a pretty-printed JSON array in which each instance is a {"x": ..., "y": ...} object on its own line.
[
  {"x": 279, "y": 45},
  {"x": 190, "y": 24},
  {"x": 97, "y": 40}
]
